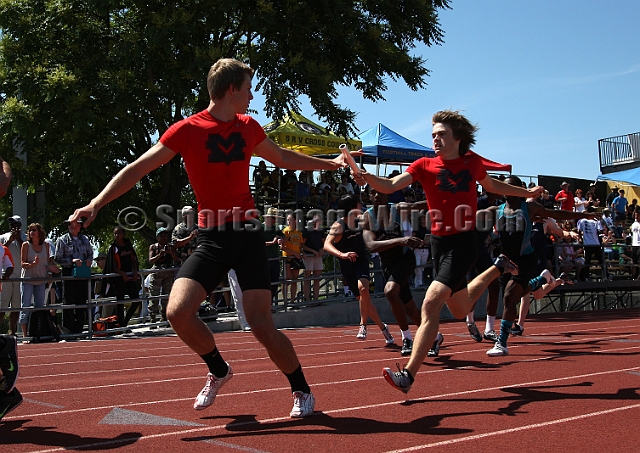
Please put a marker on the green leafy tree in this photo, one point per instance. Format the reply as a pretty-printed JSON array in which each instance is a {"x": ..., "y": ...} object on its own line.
[{"x": 87, "y": 86}]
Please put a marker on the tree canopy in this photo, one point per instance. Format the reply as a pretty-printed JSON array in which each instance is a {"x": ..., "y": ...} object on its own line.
[{"x": 87, "y": 86}]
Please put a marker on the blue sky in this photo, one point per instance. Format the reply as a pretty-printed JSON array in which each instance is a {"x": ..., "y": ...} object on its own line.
[{"x": 543, "y": 80}]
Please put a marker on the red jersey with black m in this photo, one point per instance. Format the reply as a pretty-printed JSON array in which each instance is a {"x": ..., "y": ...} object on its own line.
[
  {"x": 216, "y": 157},
  {"x": 448, "y": 184}
]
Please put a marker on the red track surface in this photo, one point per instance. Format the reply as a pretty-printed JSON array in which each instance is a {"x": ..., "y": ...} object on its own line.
[{"x": 571, "y": 384}]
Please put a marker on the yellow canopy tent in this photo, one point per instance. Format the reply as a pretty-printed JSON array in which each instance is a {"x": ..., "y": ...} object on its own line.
[{"x": 303, "y": 135}]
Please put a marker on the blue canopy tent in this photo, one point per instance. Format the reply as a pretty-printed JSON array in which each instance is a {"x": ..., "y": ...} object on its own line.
[
  {"x": 381, "y": 144},
  {"x": 631, "y": 176}
]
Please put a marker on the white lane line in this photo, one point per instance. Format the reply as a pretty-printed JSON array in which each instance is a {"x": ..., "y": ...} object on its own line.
[
  {"x": 108, "y": 443},
  {"x": 74, "y": 352},
  {"x": 306, "y": 367},
  {"x": 514, "y": 430},
  {"x": 347, "y": 409},
  {"x": 233, "y": 446}
]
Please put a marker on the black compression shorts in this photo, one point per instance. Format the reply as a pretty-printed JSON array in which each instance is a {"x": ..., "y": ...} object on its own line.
[
  {"x": 218, "y": 251},
  {"x": 353, "y": 271},
  {"x": 527, "y": 269},
  {"x": 399, "y": 272},
  {"x": 453, "y": 257}
]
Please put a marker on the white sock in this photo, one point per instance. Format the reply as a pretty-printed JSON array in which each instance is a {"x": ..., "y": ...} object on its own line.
[
  {"x": 406, "y": 335},
  {"x": 491, "y": 320},
  {"x": 547, "y": 275},
  {"x": 470, "y": 319}
]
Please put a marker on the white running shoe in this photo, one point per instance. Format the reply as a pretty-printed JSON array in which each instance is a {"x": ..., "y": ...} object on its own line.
[
  {"x": 208, "y": 394},
  {"x": 498, "y": 350},
  {"x": 362, "y": 333},
  {"x": 387, "y": 335},
  {"x": 303, "y": 404},
  {"x": 400, "y": 379}
]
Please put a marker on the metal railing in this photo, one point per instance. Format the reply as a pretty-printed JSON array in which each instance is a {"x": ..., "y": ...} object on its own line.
[
  {"x": 331, "y": 291},
  {"x": 617, "y": 151}
]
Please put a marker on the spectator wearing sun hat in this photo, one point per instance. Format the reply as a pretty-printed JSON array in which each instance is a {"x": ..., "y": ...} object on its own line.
[
  {"x": 612, "y": 195},
  {"x": 188, "y": 228},
  {"x": 565, "y": 197}
]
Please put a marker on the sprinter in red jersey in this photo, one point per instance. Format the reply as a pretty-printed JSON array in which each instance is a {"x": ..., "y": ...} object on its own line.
[
  {"x": 449, "y": 181},
  {"x": 216, "y": 146}
]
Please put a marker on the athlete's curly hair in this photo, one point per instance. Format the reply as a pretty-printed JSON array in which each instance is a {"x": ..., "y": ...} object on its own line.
[
  {"x": 225, "y": 72},
  {"x": 462, "y": 128}
]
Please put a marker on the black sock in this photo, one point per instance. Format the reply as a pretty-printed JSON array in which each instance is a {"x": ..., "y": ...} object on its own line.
[
  {"x": 297, "y": 381},
  {"x": 217, "y": 366},
  {"x": 411, "y": 378}
]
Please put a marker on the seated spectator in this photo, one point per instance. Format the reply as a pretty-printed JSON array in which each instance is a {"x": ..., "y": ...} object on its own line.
[
  {"x": 345, "y": 184},
  {"x": 317, "y": 201},
  {"x": 302, "y": 190},
  {"x": 571, "y": 259},
  {"x": 418, "y": 191},
  {"x": 546, "y": 200},
  {"x": 398, "y": 195},
  {"x": 260, "y": 174},
  {"x": 324, "y": 182},
  {"x": 606, "y": 219}
]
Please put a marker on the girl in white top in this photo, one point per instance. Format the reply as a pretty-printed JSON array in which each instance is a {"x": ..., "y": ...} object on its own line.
[{"x": 34, "y": 256}]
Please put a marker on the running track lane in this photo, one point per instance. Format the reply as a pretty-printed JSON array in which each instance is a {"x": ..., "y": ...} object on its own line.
[{"x": 572, "y": 383}]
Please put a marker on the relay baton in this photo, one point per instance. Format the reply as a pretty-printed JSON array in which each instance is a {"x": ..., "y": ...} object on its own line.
[{"x": 348, "y": 158}]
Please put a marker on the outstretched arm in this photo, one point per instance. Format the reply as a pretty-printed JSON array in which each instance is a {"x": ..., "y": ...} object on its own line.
[
  {"x": 126, "y": 178},
  {"x": 537, "y": 210},
  {"x": 502, "y": 188},
  {"x": 384, "y": 185},
  {"x": 291, "y": 160},
  {"x": 379, "y": 246}
]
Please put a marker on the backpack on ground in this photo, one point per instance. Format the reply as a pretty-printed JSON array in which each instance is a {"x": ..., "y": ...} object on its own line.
[
  {"x": 102, "y": 324},
  {"x": 42, "y": 327}
]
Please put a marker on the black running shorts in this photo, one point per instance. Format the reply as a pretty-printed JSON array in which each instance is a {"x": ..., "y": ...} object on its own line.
[
  {"x": 220, "y": 250},
  {"x": 353, "y": 271},
  {"x": 453, "y": 257},
  {"x": 527, "y": 269},
  {"x": 399, "y": 272}
]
